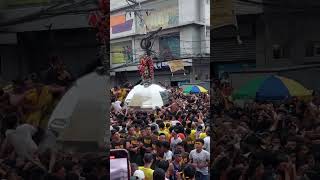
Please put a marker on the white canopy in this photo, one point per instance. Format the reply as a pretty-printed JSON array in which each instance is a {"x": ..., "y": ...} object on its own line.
[
  {"x": 82, "y": 109},
  {"x": 148, "y": 97}
]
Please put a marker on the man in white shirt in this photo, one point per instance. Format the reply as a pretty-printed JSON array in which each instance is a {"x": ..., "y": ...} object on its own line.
[
  {"x": 166, "y": 149},
  {"x": 200, "y": 159},
  {"x": 206, "y": 140},
  {"x": 49, "y": 143},
  {"x": 206, "y": 143},
  {"x": 21, "y": 140},
  {"x": 117, "y": 106},
  {"x": 20, "y": 137}
]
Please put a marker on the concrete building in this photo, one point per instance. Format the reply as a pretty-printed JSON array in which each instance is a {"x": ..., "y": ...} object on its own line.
[
  {"x": 275, "y": 40},
  {"x": 227, "y": 53},
  {"x": 185, "y": 35}
]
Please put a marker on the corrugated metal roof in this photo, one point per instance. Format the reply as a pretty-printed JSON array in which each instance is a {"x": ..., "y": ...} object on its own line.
[
  {"x": 230, "y": 50},
  {"x": 242, "y": 8}
]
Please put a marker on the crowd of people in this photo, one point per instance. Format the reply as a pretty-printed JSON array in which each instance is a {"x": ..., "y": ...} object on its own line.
[
  {"x": 28, "y": 148},
  {"x": 264, "y": 140},
  {"x": 169, "y": 142}
]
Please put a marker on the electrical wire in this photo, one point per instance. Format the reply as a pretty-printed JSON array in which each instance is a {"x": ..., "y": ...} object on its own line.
[
  {"x": 161, "y": 61},
  {"x": 138, "y": 13},
  {"x": 49, "y": 12}
]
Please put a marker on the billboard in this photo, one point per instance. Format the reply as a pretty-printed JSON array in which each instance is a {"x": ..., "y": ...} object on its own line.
[
  {"x": 121, "y": 25},
  {"x": 163, "y": 17},
  {"x": 121, "y": 53}
]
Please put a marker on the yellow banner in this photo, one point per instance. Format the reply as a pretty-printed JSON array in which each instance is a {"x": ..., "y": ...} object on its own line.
[
  {"x": 176, "y": 65},
  {"x": 117, "y": 55},
  {"x": 222, "y": 13}
]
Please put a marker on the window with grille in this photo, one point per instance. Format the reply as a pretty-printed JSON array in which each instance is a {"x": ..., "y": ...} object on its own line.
[
  {"x": 279, "y": 51},
  {"x": 312, "y": 49}
]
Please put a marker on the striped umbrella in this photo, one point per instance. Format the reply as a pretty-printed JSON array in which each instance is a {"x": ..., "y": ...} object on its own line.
[
  {"x": 271, "y": 88},
  {"x": 194, "y": 89}
]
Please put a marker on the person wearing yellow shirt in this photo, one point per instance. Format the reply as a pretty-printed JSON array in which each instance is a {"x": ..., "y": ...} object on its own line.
[
  {"x": 137, "y": 131},
  {"x": 168, "y": 125},
  {"x": 193, "y": 134},
  {"x": 122, "y": 94},
  {"x": 163, "y": 130},
  {"x": 148, "y": 172},
  {"x": 37, "y": 100},
  {"x": 202, "y": 135}
]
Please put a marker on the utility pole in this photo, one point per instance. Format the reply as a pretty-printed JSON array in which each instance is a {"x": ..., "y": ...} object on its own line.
[{"x": 139, "y": 11}]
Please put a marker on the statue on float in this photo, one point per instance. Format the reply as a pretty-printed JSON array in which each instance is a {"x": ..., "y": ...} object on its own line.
[{"x": 146, "y": 67}]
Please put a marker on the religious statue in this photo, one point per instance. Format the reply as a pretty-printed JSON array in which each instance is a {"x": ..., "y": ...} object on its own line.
[
  {"x": 146, "y": 67},
  {"x": 146, "y": 70}
]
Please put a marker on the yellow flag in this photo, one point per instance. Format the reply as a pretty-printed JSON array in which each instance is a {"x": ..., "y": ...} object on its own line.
[
  {"x": 176, "y": 65},
  {"x": 222, "y": 13}
]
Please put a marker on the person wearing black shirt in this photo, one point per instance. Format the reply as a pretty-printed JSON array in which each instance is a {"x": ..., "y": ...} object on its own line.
[
  {"x": 188, "y": 141},
  {"x": 147, "y": 140},
  {"x": 133, "y": 145},
  {"x": 116, "y": 141}
]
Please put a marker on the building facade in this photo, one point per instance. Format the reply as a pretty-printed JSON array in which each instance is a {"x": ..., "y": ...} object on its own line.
[
  {"x": 185, "y": 36},
  {"x": 27, "y": 44},
  {"x": 280, "y": 38},
  {"x": 228, "y": 53}
]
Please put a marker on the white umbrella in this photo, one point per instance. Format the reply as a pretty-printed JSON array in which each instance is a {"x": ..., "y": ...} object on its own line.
[
  {"x": 81, "y": 113},
  {"x": 148, "y": 97}
]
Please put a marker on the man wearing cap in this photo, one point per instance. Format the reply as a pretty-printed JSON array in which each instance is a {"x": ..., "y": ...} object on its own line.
[
  {"x": 138, "y": 175},
  {"x": 200, "y": 160}
]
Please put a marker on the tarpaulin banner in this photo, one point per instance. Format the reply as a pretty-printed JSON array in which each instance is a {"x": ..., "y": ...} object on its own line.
[
  {"x": 222, "y": 13},
  {"x": 116, "y": 20},
  {"x": 127, "y": 26},
  {"x": 176, "y": 65}
]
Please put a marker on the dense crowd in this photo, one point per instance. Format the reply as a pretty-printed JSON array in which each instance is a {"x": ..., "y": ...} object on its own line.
[
  {"x": 265, "y": 140},
  {"x": 171, "y": 142},
  {"x": 28, "y": 148}
]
